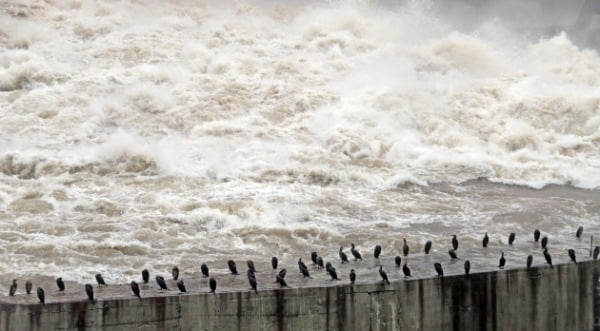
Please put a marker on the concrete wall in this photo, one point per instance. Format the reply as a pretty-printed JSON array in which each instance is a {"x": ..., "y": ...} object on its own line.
[{"x": 564, "y": 297}]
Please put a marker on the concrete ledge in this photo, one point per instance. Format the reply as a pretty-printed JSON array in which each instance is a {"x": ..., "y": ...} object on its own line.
[{"x": 563, "y": 297}]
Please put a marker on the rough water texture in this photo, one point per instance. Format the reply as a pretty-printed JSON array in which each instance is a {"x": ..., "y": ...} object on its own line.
[{"x": 146, "y": 134}]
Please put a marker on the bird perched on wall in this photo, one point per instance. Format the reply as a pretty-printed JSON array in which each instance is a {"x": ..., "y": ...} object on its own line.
[
  {"x": 252, "y": 280},
  {"x": 100, "y": 280},
  {"x": 135, "y": 288},
  {"x": 332, "y": 272},
  {"x": 161, "y": 283},
  {"x": 452, "y": 254},
  {"x": 596, "y": 252},
  {"x": 536, "y": 235},
  {"x": 383, "y": 275},
  {"x": 250, "y": 265},
  {"x": 377, "y": 251},
  {"x": 181, "y": 286},
  {"x": 60, "y": 284},
  {"x": 175, "y": 272},
  {"x": 405, "y": 247},
  {"x": 502, "y": 261},
  {"x": 145, "y": 276},
  {"x": 547, "y": 257},
  {"x": 232, "y": 267},
  {"x": 89, "y": 290},
  {"x": 544, "y": 242},
  {"x": 28, "y": 286},
  {"x": 579, "y": 232},
  {"x": 529, "y": 261},
  {"x": 398, "y": 261},
  {"x": 41, "y": 296},
  {"x": 467, "y": 268},
  {"x": 406, "y": 270},
  {"x": 319, "y": 263},
  {"x": 485, "y": 240},
  {"x": 303, "y": 269},
  {"x": 13, "y": 288},
  {"x": 427, "y": 248},
  {"x": 212, "y": 283},
  {"x": 438, "y": 268},
  {"x": 279, "y": 279},
  {"x": 572, "y": 255},
  {"x": 454, "y": 242},
  {"x": 274, "y": 262},
  {"x": 355, "y": 252},
  {"x": 204, "y": 270},
  {"x": 511, "y": 238},
  {"x": 343, "y": 255},
  {"x": 313, "y": 257},
  {"x": 352, "y": 277}
]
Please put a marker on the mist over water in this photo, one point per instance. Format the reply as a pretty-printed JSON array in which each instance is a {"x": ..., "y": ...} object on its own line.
[{"x": 146, "y": 134}]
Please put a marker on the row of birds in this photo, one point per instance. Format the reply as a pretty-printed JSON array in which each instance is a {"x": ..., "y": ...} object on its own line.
[{"x": 318, "y": 261}]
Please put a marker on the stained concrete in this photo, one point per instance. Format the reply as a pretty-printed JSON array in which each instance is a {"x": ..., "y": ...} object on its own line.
[{"x": 563, "y": 297}]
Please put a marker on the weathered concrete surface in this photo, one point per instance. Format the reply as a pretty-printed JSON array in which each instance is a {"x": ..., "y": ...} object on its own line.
[{"x": 564, "y": 297}]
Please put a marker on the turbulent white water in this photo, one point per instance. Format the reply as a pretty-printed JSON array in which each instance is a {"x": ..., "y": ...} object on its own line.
[{"x": 150, "y": 133}]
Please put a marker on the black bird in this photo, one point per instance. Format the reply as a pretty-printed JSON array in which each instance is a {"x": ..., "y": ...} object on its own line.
[
  {"x": 398, "y": 261},
  {"x": 405, "y": 247},
  {"x": 427, "y": 247},
  {"x": 282, "y": 273},
  {"x": 212, "y": 283},
  {"x": 100, "y": 280},
  {"x": 333, "y": 273},
  {"x": 579, "y": 232},
  {"x": 529, "y": 261},
  {"x": 352, "y": 277},
  {"x": 343, "y": 256},
  {"x": 204, "y": 270},
  {"x": 320, "y": 262},
  {"x": 406, "y": 270},
  {"x": 547, "y": 257},
  {"x": 536, "y": 235},
  {"x": 281, "y": 281},
  {"x": 485, "y": 240},
  {"x": 502, "y": 261},
  {"x": 355, "y": 253},
  {"x": 467, "y": 268},
  {"x": 313, "y": 257},
  {"x": 28, "y": 286},
  {"x": 328, "y": 266},
  {"x": 232, "y": 267},
  {"x": 252, "y": 280},
  {"x": 454, "y": 242},
  {"x": 250, "y": 264},
  {"x": 511, "y": 238},
  {"x": 60, "y": 284},
  {"x": 438, "y": 269},
  {"x": 135, "y": 288},
  {"x": 383, "y": 275},
  {"x": 161, "y": 282},
  {"x": 274, "y": 262},
  {"x": 13, "y": 288},
  {"x": 377, "y": 251},
  {"x": 89, "y": 290},
  {"x": 41, "y": 296},
  {"x": 452, "y": 254},
  {"x": 572, "y": 255},
  {"x": 145, "y": 276},
  {"x": 596, "y": 252},
  {"x": 181, "y": 286},
  {"x": 303, "y": 269},
  {"x": 175, "y": 272},
  {"x": 544, "y": 242}
]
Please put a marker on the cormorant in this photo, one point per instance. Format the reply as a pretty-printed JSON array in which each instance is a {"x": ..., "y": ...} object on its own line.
[
  {"x": 333, "y": 273},
  {"x": 536, "y": 235},
  {"x": 175, "y": 272},
  {"x": 89, "y": 290},
  {"x": 355, "y": 253},
  {"x": 343, "y": 256},
  {"x": 145, "y": 276},
  {"x": 28, "y": 286},
  {"x": 161, "y": 282},
  {"x": 467, "y": 268},
  {"x": 377, "y": 251},
  {"x": 544, "y": 242},
  {"x": 406, "y": 270},
  {"x": 596, "y": 252},
  {"x": 135, "y": 288},
  {"x": 204, "y": 270},
  {"x": 252, "y": 280},
  {"x": 320, "y": 262},
  {"x": 511, "y": 238},
  {"x": 405, "y": 247},
  {"x": 438, "y": 269},
  {"x": 212, "y": 283},
  {"x": 427, "y": 247},
  {"x": 383, "y": 275},
  {"x": 232, "y": 267},
  {"x": 13, "y": 288},
  {"x": 452, "y": 254},
  {"x": 250, "y": 264},
  {"x": 303, "y": 268},
  {"x": 529, "y": 261},
  {"x": 485, "y": 240},
  {"x": 579, "y": 232},
  {"x": 100, "y": 280},
  {"x": 547, "y": 257},
  {"x": 274, "y": 262},
  {"x": 352, "y": 277},
  {"x": 454, "y": 242},
  {"x": 41, "y": 296},
  {"x": 328, "y": 266},
  {"x": 572, "y": 255},
  {"x": 502, "y": 261},
  {"x": 282, "y": 273},
  {"x": 398, "y": 261},
  {"x": 281, "y": 281},
  {"x": 313, "y": 257},
  {"x": 181, "y": 286},
  {"x": 60, "y": 284}
]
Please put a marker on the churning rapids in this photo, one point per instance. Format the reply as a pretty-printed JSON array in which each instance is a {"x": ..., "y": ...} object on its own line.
[{"x": 144, "y": 134}]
